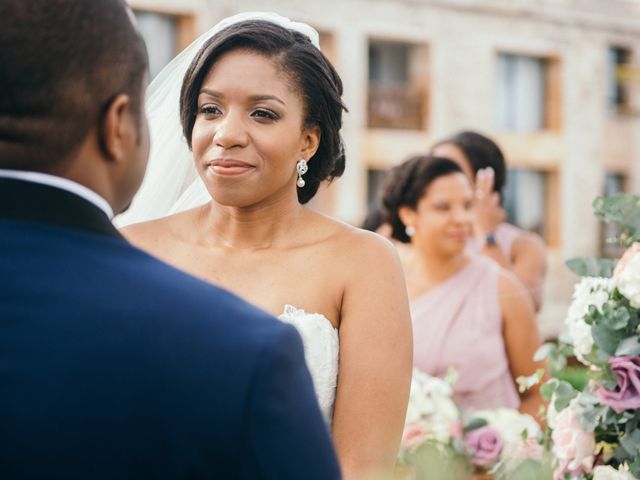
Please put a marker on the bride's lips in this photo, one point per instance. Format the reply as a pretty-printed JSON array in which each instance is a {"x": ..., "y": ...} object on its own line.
[{"x": 229, "y": 167}]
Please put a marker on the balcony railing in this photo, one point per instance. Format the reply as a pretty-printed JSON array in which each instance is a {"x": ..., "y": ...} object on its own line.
[{"x": 397, "y": 106}]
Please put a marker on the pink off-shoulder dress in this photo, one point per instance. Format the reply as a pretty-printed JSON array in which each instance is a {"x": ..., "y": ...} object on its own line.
[{"x": 459, "y": 324}]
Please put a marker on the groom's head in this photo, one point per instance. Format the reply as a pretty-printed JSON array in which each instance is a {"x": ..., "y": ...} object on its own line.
[{"x": 72, "y": 81}]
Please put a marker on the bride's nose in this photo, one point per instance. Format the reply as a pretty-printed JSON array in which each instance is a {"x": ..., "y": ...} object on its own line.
[{"x": 230, "y": 130}]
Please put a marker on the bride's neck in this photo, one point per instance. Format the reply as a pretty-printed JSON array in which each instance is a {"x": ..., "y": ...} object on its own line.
[{"x": 261, "y": 226}]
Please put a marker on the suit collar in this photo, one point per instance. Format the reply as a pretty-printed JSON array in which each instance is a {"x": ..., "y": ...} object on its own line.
[{"x": 34, "y": 202}]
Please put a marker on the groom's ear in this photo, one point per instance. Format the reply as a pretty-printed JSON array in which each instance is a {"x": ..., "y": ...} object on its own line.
[{"x": 117, "y": 130}]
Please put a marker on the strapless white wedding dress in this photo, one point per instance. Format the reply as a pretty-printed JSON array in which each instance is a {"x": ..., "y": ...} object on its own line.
[{"x": 321, "y": 352}]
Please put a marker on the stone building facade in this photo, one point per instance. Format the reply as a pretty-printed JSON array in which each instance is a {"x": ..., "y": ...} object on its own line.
[{"x": 551, "y": 80}]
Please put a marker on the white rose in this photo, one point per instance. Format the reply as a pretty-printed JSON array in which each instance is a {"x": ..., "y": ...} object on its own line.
[
  {"x": 445, "y": 416},
  {"x": 589, "y": 291},
  {"x": 628, "y": 281},
  {"x": 430, "y": 396},
  {"x": 607, "y": 472}
]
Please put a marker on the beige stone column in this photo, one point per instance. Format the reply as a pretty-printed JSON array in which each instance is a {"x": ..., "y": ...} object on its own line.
[
  {"x": 582, "y": 170},
  {"x": 352, "y": 63}
]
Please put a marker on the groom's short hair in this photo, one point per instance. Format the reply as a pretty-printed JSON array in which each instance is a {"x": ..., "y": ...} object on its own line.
[{"x": 62, "y": 63}]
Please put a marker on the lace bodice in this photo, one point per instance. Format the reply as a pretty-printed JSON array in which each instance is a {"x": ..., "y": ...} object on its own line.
[{"x": 321, "y": 351}]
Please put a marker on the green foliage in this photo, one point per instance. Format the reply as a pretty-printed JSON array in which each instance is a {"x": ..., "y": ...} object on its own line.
[
  {"x": 434, "y": 460},
  {"x": 562, "y": 391},
  {"x": 555, "y": 353},
  {"x": 532, "y": 470},
  {"x": 474, "y": 424},
  {"x": 615, "y": 327},
  {"x": 591, "y": 266},
  {"x": 576, "y": 376},
  {"x": 629, "y": 346},
  {"x": 634, "y": 468},
  {"x": 623, "y": 210},
  {"x": 630, "y": 441}
]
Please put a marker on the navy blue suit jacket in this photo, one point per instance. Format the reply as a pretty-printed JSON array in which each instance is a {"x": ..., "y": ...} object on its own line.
[{"x": 114, "y": 365}]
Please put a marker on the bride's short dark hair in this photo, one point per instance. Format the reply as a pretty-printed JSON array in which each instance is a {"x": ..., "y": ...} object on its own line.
[
  {"x": 315, "y": 78},
  {"x": 406, "y": 185}
]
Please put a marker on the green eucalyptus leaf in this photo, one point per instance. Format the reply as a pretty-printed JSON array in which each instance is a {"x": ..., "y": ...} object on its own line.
[
  {"x": 631, "y": 442},
  {"x": 531, "y": 470},
  {"x": 474, "y": 424},
  {"x": 634, "y": 467},
  {"x": 622, "y": 209},
  {"x": 629, "y": 346},
  {"x": 564, "y": 393},
  {"x": 606, "y": 339},
  {"x": 614, "y": 318},
  {"x": 591, "y": 417},
  {"x": 548, "y": 388},
  {"x": 545, "y": 351},
  {"x": 621, "y": 454},
  {"x": 591, "y": 266}
]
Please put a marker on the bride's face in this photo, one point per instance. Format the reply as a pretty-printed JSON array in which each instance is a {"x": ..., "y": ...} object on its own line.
[{"x": 248, "y": 134}]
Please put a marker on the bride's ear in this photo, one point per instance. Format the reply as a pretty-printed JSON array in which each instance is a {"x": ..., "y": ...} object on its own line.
[{"x": 310, "y": 141}]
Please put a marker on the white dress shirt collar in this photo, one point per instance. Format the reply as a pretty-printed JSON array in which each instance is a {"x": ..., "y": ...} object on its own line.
[{"x": 61, "y": 183}]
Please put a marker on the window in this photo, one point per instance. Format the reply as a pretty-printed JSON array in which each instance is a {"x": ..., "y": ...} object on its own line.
[
  {"x": 524, "y": 199},
  {"x": 617, "y": 91},
  {"x": 160, "y": 33},
  {"x": 375, "y": 183},
  {"x": 397, "y": 85},
  {"x": 522, "y": 94}
]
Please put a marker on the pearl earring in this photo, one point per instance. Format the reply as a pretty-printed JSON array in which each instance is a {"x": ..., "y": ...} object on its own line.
[
  {"x": 410, "y": 230},
  {"x": 302, "y": 168}
]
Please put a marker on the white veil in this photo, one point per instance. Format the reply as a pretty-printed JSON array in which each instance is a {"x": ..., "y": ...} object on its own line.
[{"x": 171, "y": 183}]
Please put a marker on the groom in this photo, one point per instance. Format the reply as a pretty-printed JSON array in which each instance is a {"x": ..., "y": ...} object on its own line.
[{"x": 114, "y": 365}]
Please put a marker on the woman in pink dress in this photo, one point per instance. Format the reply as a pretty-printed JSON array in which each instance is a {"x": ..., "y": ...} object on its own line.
[
  {"x": 522, "y": 252},
  {"x": 468, "y": 313}
]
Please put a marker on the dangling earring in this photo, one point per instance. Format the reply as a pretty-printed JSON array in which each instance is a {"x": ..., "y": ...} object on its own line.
[
  {"x": 410, "y": 230},
  {"x": 302, "y": 168}
]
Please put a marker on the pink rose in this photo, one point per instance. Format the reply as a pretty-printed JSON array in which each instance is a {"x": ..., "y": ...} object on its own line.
[
  {"x": 457, "y": 431},
  {"x": 412, "y": 436},
  {"x": 485, "y": 445},
  {"x": 626, "y": 394},
  {"x": 626, "y": 258},
  {"x": 528, "y": 448},
  {"x": 572, "y": 445}
]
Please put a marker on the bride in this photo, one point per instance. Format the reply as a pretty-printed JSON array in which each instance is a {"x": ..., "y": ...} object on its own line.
[{"x": 260, "y": 108}]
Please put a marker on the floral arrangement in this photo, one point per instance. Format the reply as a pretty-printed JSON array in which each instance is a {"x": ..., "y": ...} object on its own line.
[
  {"x": 439, "y": 441},
  {"x": 503, "y": 442},
  {"x": 594, "y": 434},
  {"x": 433, "y": 435}
]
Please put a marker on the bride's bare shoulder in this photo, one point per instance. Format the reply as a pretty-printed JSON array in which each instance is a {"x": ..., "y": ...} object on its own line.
[
  {"x": 358, "y": 245},
  {"x": 156, "y": 233}
]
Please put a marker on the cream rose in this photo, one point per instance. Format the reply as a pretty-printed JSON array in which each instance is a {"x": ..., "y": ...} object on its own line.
[
  {"x": 571, "y": 443},
  {"x": 607, "y": 472}
]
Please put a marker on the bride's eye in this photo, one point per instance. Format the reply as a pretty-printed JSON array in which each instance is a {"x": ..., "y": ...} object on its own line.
[
  {"x": 209, "y": 109},
  {"x": 263, "y": 113}
]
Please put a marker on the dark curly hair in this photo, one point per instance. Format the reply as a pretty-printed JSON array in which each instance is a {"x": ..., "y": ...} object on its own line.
[
  {"x": 407, "y": 184},
  {"x": 311, "y": 72},
  {"x": 63, "y": 63},
  {"x": 482, "y": 152}
]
